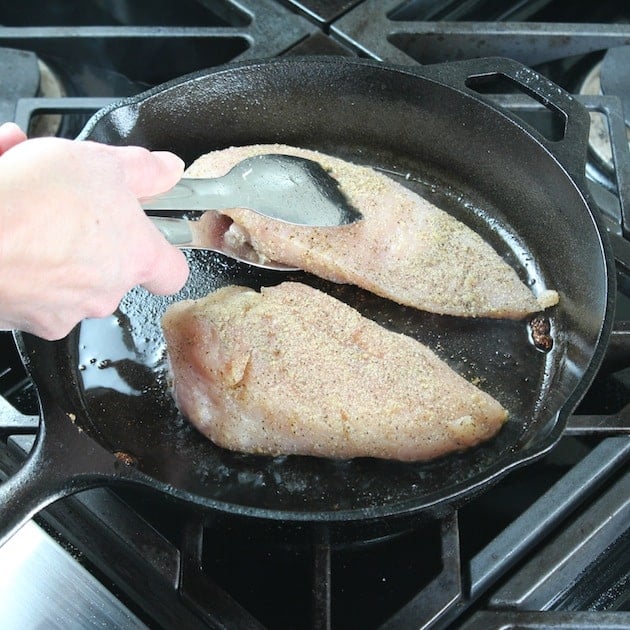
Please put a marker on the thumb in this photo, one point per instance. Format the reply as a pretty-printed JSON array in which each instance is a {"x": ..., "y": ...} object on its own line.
[
  {"x": 148, "y": 173},
  {"x": 169, "y": 271}
]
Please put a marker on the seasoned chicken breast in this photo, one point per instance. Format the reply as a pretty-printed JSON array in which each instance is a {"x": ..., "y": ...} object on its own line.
[
  {"x": 405, "y": 248},
  {"x": 292, "y": 370}
]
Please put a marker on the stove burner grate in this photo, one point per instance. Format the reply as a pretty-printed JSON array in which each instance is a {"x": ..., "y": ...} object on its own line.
[{"x": 171, "y": 566}]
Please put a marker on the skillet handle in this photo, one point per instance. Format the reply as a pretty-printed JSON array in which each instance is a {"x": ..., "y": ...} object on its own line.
[
  {"x": 63, "y": 460},
  {"x": 472, "y": 75}
]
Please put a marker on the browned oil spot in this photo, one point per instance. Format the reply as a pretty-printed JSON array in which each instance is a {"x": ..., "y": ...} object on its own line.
[
  {"x": 541, "y": 333},
  {"x": 126, "y": 458}
]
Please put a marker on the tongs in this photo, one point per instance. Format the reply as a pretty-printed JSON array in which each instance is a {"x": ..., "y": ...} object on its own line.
[{"x": 282, "y": 187}]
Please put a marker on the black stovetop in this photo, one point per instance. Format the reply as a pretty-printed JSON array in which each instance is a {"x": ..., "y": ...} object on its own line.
[{"x": 547, "y": 546}]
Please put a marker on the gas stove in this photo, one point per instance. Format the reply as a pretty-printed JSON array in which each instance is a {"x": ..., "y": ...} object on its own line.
[{"x": 549, "y": 546}]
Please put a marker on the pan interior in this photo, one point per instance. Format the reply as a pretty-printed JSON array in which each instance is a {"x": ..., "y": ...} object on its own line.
[
  {"x": 123, "y": 368},
  {"x": 439, "y": 142}
]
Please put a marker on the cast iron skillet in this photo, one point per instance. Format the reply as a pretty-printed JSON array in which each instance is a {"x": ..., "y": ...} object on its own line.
[{"x": 107, "y": 416}]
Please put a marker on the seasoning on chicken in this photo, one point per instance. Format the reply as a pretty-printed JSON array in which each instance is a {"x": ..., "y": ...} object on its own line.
[
  {"x": 405, "y": 248},
  {"x": 292, "y": 370}
]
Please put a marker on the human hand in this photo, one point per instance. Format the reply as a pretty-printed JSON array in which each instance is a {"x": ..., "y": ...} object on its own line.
[
  {"x": 10, "y": 135},
  {"x": 73, "y": 236}
]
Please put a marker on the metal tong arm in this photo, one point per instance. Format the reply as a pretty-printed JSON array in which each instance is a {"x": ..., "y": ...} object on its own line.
[
  {"x": 281, "y": 187},
  {"x": 176, "y": 231},
  {"x": 195, "y": 194}
]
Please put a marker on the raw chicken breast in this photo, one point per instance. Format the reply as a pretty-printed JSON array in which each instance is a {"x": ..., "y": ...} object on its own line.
[
  {"x": 292, "y": 370},
  {"x": 405, "y": 249}
]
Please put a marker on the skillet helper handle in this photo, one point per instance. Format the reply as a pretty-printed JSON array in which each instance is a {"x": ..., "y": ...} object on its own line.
[
  {"x": 63, "y": 460},
  {"x": 473, "y": 74}
]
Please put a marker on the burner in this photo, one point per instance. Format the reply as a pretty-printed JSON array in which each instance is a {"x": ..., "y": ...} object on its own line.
[{"x": 50, "y": 86}]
